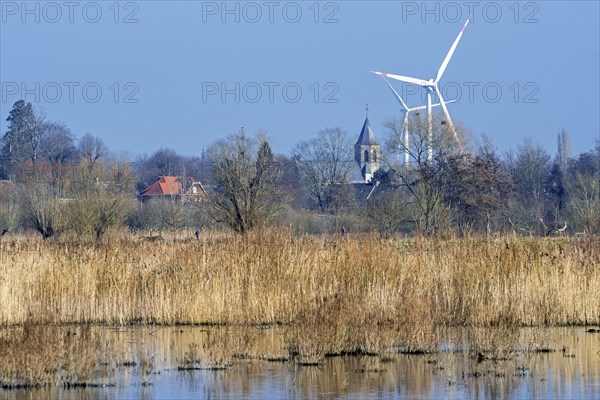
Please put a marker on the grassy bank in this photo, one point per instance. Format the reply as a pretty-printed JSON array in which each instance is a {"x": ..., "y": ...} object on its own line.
[{"x": 303, "y": 282}]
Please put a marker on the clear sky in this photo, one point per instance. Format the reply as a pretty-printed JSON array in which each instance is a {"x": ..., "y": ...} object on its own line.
[{"x": 180, "y": 74}]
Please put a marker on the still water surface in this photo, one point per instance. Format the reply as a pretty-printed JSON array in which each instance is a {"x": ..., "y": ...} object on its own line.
[{"x": 175, "y": 362}]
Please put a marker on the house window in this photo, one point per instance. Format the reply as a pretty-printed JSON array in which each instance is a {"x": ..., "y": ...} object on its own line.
[
  {"x": 374, "y": 155},
  {"x": 194, "y": 190},
  {"x": 366, "y": 155}
]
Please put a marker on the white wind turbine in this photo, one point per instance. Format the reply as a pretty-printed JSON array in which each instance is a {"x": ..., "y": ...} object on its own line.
[
  {"x": 432, "y": 86},
  {"x": 407, "y": 111}
]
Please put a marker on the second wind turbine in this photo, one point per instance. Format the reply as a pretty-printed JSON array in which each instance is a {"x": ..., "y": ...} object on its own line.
[
  {"x": 431, "y": 86},
  {"x": 407, "y": 111}
]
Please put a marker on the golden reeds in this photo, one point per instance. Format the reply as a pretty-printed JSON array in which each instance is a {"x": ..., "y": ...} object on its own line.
[{"x": 273, "y": 277}]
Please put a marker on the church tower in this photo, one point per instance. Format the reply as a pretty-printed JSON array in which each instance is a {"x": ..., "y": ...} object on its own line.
[{"x": 367, "y": 153}]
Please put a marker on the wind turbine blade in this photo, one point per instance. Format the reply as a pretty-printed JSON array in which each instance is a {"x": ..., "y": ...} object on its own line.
[
  {"x": 443, "y": 104},
  {"x": 396, "y": 94},
  {"x": 447, "y": 102},
  {"x": 401, "y": 78},
  {"x": 433, "y": 105},
  {"x": 449, "y": 55}
]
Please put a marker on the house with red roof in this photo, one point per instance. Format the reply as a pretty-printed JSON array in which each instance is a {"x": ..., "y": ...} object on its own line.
[{"x": 174, "y": 188}]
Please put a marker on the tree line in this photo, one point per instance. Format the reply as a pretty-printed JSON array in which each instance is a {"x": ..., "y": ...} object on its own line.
[{"x": 55, "y": 183}]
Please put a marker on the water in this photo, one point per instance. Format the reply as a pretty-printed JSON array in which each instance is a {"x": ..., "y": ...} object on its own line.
[{"x": 147, "y": 363}]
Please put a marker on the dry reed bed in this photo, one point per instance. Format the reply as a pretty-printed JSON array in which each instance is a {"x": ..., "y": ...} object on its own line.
[{"x": 335, "y": 284}]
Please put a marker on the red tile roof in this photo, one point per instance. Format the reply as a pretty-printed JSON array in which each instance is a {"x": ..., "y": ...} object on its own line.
[{"x": 165, "y": 185}]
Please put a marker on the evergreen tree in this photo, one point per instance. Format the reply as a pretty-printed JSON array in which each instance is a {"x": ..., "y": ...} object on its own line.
[{"x": 18, "y": 143}]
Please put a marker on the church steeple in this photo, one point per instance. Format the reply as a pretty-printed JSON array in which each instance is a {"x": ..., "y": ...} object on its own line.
[
  {"x": 367, "y": 151},
  {"x": 367, "y": 137}
]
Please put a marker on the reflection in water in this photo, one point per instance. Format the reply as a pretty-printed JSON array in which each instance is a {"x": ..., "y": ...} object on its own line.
[{"x": 186, "y": 362}]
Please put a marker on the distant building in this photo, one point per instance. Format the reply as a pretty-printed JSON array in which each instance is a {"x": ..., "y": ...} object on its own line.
[
  {"x": 174, "y": 187},
  {"x": 367, "y": 155}
]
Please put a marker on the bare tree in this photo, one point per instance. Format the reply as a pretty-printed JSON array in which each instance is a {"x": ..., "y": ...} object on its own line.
[
  {"x": 443, "y": 141},
  {"x": 42, "y": 209},
  {"x": 244, "y": 180},
  {"x": 58, "y": 143},
  {"x": 388, "y": 213},
  {"x": 92, "y": 149},
  {"x": 57, "y": 151},
  {"x": 584, "y": 201},
  {"x": 530, "y": 169},
  {"x": 103, "y": 200},
  {"x": 423, "y": 182},
  {"x": 168, "y": 213},
  {"x": 291, "y": 182},
  {"x": 98, "y": 210},
  {"x": 583, "y": 191},
  {"x": 476, "y": 188},
  {"x": 324, "y": 163}
]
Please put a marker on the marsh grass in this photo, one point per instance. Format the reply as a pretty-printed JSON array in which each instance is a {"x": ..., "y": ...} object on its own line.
[
  {"x": 273, "y": 277},
  {"x": 359, "y": 295}
]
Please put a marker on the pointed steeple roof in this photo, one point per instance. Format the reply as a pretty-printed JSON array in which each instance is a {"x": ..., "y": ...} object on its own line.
[{"x": 367, "y": 137}]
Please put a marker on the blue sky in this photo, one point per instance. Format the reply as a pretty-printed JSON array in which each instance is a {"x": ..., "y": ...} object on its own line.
[{"x": 181, "y": 74}]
